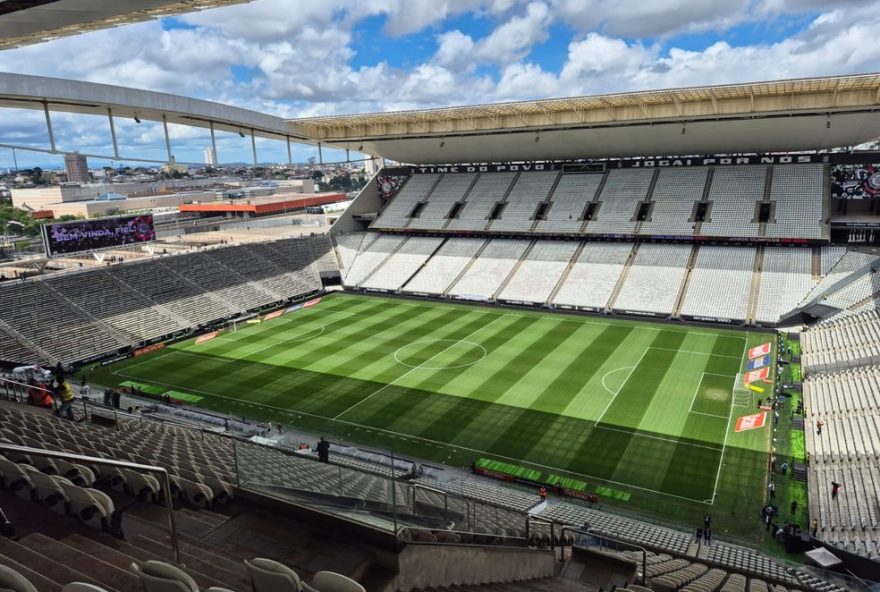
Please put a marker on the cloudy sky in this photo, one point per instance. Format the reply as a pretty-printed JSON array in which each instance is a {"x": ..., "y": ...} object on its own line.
[{"x": 313, "y": 57}]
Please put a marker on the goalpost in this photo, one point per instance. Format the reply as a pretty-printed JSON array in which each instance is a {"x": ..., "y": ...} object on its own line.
[{"x": 743, "y": 396}]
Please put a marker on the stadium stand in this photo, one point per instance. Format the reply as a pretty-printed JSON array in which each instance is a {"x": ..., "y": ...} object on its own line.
[
  {"x": 785, "y": 280},
  {"x": 674, "y": 196},
  {"x": 654, "y": 279},
  {"x": 371, "y": 257},
  {"x": 592, "y": 278},
  {"x": 487, "y": 191},
  {"x": 720, "y": 283},
  {"x": 619, "y": 199},
  {"x": 540, "y": 271},
  {"x": 797, "y": 191},
  {"x": 400, "y": 267},
  {"x": 396, "y": 213},
  {"x": 77, "y": 316},
  {"x": 446, "y": 265},
  {"x": 489, "y": 270},
  {"x": 568, "y": 201},
  {"x": 449, "y": 191},
  {"x": 530, "y": 189},
  {"x": 734, "y": 194}
]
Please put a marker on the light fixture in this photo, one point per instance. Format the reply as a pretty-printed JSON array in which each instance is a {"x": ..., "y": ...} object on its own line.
[
  {"x": 537, "y": 138},
  {"x": 828, "y": 124},
  {"x": 240, "y": 134},
  {"x": 683, "y": 130},
  {"x": 361, "y": 148},
  {"x": 136, "y": 118},
  {"x": 442, "y": 143}
]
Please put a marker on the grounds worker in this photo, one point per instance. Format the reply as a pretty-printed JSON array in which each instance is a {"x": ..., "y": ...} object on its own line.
[{"x": 65, "y": 395}]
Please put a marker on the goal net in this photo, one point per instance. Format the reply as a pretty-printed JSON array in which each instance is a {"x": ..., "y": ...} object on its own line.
[{"x": 743, "y": 396}]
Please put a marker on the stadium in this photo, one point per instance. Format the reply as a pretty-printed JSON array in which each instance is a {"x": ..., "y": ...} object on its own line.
[{"x": 546, "y": 343}]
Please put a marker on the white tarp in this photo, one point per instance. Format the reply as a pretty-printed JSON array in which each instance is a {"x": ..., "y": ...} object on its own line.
[{"x": 823, "y": 557}]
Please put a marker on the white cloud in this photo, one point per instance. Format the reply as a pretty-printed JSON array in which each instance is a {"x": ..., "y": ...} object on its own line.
[{"x": 512, "y": 40}]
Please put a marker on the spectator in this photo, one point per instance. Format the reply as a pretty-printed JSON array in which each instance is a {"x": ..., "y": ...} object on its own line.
[
  {"x": 707, "y": 521},
  {"x": 65, "y": 395},
  {"x": 814, "y": 529},
  {"x": 108, "y": 397},
  {"x": 835, "y": 487},
  {"x": 784, "y": 468},
  {"x": 707, "y": 535},
  {"x": 699, "y": 534},
  {"x": 323, "y": 450},
  {"x": 84, "y": 390},
  {"x": 793, "y": 508},
  {"x": 543, "y": 493},
  {"x": 819, "y": 424},
  {"x": 116, "y": 396},
  {"x": 772, "y": 488}
]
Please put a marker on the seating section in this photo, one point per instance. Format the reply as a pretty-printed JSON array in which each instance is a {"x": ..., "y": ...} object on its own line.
[
  {"x": 489, "y": 271},
  {"x": 593, "y": 276},
  {"x": 720, "y": 283},
  {"x": 537, "y": 276},
  {"x": 371, "y": 257},
  {"x": 734, "y": 193},
  {"x": 841, "y": 344},
  {"x": 83, "y": 315},
  {"x": 347, "y": 247},
  {"x": 654, "y": 279},
  {"x": 450, "y": 190},
  {"x": 623, "y": 190},
  {"x": 797, "y": 190},
  {"x": 14, "y": 352},
  {"x": 530, "y": 189},
  {"x": 786, "y": 278},
  {"x": 674, "y": 196},
  {"x": 569, "y": 201},
  {"x": 837, "y": 267},
  {"x": 488, "y": 190},
  {"x": 396, "y": 213},
  {"x": 401, "y": 266},
  {"x": 446, "y": 265}
]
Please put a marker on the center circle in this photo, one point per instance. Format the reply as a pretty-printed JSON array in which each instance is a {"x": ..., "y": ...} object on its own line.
[{"x": 467, "y": 351}]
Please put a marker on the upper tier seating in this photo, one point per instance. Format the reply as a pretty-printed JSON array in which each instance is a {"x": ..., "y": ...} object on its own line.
[
  {"x": 654, "y": 279},
  {"x": 450, "y": 190},
  {"x": 797, "y": 190},
  {"x": 530, "y": 189},
  {"x": 347, "y": 246},
  {"x": 398, "y": 268},
  {"x": 569, "y": 201},
  {"x": 623, "y": 190},
  {"x": 489, "y": 189},
  {"x": 594, "y": 275},
  {"x": 486, "y": 274},
  {"x": 839, "y": 344},
  {"x": 720, "y": 283},
  {"x": 785, "y": 280},
  {"x": 446, "y": 264},
  {"x": 537, "y": 276},
  {"x": 674, "y": 195},
  {"x": 734, "y": 193},
  {"x": 396, "y": 212}
]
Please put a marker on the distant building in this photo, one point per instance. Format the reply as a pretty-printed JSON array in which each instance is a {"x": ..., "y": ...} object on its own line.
[
  {"x": 77, "y": 168},
  {"x": 210, "y": 159},
  {"x": 312, "y": 160},
  {"x": 173, "y": 166}
]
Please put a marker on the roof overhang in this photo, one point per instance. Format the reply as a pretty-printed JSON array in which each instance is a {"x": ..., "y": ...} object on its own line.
[
  {"x": 24, "y": 22},
  {"x": 781, "y": 116}
]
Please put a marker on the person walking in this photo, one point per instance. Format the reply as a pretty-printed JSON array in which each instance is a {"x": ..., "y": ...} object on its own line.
[
  {"x": 707, "y": 521},
  {"x": 323, "y": 450},
  {"x": 65, "y": 395},
  {"x": 699, "y": 534},
  {"x": 707, "y": 536},
  {"x": 819, "y": 424},
  {"x": 784, "y": 468},
  {"x": 835, "y": 487},
  {"x": 772, "y": 488},
  {"x": 793, "y": 508},
  {"x": 542, "y": 491},
  {"x": 814, "y": 529}
]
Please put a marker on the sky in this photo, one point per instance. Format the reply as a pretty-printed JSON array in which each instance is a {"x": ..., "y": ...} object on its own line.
[{"x": 299, "y": 58}]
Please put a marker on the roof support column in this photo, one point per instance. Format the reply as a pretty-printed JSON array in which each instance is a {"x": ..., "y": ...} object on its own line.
[
  {"x": 113, "y": 133},
  {"x": 347, "y": 158},
  {"x": 320, "y": 155},
  {"x": 49, "y": 127},
  {"x": 167, "y": 137},
  {"x": 214, "y": 145},
  {"x": 289, "y": 154},
  {"x": 254, "y": 146}
]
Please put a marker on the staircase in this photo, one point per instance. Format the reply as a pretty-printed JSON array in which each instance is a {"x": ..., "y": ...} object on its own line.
[
  {"x": 687, "y": 280},
  {"x": 622, "y": 279}
]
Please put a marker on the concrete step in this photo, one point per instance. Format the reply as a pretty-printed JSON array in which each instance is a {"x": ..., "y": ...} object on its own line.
[
  {"x": 109, "y": 575},
  {"x": 212, "y": 518},
  {"x": 140, "y": 554},
  {"x": 50, "y": 568},
  {"x": 229, "y": 579},
  {"x": 40, "y": 582},
  {"x": 157, "y": 515}
]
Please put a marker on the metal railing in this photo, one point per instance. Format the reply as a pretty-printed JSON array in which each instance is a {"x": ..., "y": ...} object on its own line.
[
  {"x": 161, "y": 473},
  {"x": 604, "y": 538},
  {"x": 540, "y": 520}
]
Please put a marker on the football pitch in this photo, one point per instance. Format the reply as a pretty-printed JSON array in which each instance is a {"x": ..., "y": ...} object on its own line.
[{"x": 645, "y": 412}]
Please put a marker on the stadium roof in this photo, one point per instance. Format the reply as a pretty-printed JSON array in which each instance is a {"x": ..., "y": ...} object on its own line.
[
  {"x": 784, "y": 115},
  {"x": 23, "y": 22}
]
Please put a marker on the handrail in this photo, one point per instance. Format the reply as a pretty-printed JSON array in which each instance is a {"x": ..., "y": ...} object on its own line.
[
  {"x": 6, "y": 381},
  {"x": 552, "y": 523},
  {"x": 163, "y": 474},
  {"x": 594, "y": 533}
]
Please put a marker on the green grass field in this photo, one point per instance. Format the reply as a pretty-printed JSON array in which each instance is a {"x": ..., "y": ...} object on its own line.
[{"x": 644, "y": 412}]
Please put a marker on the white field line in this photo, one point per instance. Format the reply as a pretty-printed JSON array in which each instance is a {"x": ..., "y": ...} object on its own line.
[
  {"x": 419, "y": 367},
  {"x": 727, "y": 429},
  {"x": 249, "y": 331},
  {"x": 696, "y": 392},
  {"x": 623, "y": 384}
]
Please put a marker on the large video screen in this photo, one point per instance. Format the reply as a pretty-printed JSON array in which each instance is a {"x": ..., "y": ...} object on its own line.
[
  {"x": 855, "y": 181},
  {"x": 89, "y": 235}
]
